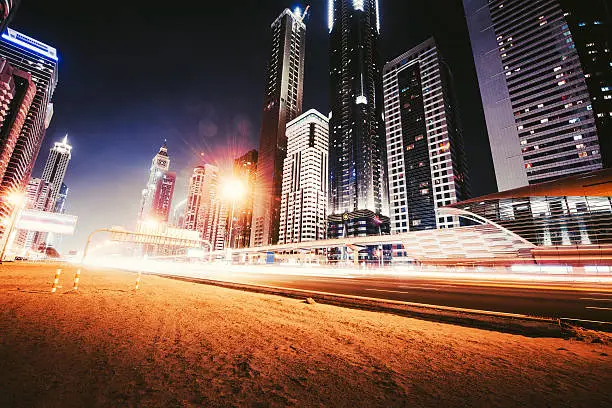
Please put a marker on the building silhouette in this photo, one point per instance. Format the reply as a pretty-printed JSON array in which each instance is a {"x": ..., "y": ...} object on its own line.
[
  {"x": 245, "y": 169},
  {"x": 282, "y": 103}
]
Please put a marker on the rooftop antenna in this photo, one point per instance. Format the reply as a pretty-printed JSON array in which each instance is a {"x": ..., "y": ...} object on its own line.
[{"x": 305, "y": 13}]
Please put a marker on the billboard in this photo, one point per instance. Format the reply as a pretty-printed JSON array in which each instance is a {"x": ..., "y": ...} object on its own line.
[{"x": 42, "y": 221}]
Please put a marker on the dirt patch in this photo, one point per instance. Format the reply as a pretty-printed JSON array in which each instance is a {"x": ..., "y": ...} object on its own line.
[{"x": 176, "y": 343}]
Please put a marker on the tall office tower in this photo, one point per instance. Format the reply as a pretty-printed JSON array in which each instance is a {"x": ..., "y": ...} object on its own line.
[
  {"x": 159, "y": 166},
  {"x": 305, "y": 179},
  {"x": 426, "y": 164},
  {"x": 215, "y": 229},
  {"x": 16, "y": 94},
  {"x": 194, "y": 198},
  {"x": 162, "y": 197},
  {"x": 245, "y": 169},
  {"x": 60, "y": 201},
  {"x": 56, "y": 166},
  {"x": 39, "y": 196},
  {"x": 205, "y": 212},
  {"x": 358, "y": 196},
  {"x": 536, "y": 101},
  {"x": 590, "y": 23},
  {"x": 40, "y": 61},
  {"x": 282, "y": 103}
]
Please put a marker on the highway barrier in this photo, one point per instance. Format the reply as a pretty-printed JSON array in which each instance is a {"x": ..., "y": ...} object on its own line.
[{"x": 56, "y": 280}]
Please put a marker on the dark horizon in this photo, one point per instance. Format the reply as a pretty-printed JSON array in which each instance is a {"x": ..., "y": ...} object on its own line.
[{"x": 196, "y": 77}]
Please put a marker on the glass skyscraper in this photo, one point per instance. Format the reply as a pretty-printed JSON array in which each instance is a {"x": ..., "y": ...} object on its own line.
[
  {"x": 541, "y": 117},
  {"x": 358, "y": 196},
  {"x": 426, "y": 163},
  {"x": 282, "y": 103}
]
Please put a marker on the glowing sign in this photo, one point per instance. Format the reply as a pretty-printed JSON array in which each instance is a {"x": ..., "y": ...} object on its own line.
[
  {"x": 30, "y": 43},
  {"x": 41, "y": 221}
]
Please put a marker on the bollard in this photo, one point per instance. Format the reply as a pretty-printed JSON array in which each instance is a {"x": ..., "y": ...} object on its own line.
[
  {"x": 138, "y": 279},
  {"x": 77, "y": 276},
  {"x": 56, "y": 280}
]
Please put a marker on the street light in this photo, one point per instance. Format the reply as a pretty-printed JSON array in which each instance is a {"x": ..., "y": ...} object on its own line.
[
  {"x": 233, "y": 189},
  {"x": 16, "y": 199}
]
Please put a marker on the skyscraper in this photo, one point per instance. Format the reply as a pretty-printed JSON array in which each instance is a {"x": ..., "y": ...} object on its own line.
[
  {"x": 194, "y": 198},
  {"x": 7, "y": 11},
  {"x": 39, "y": 196},
  {"x": 56, "y": 166},
  {"x": 16, "y": 94},
  {"x": 305, "y": 179},
  {"x": 539, "y": 112},
  {"x": 60, "y": 202},
  {"x": 282, "y": 103},
  {"x": 424, "y": 140},
  {"x": 205, "y": 211},
  {"x": 40, "y": 61},
  {"x": 358, "y": 196},
  {"x": 245, "y": 169},
  {"x": 590, "y": 23},
  {"x": 162, "y": 197},
  {"x": 160, "y": 164}
]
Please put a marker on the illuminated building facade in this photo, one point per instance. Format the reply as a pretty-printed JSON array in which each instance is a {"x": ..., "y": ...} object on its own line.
[
  {"x": 245, "y": 169},
  {"x": 17, "y": 91},
  {"x": 7, "y": 11},
  {"x": 540, "y": 114},
  {"x": 159, "y": 167},
  {"x": 60, "y": 202},
  {"x": 194, "y": 198},
  {"x": 357, "y": 156},
  {"x": 56, "y": 166},
  {"x": 591, "y": 25},
  {"x": 282, "y": 103},
  {"x": 426, "y": 163},
  {"x": 305, "y": 179},
  {"x": 40, "y": 62},
  {"x": 205, "y": 211},
  {"x": 162, "y": 197},
  {"x": 39, "y": 196}
]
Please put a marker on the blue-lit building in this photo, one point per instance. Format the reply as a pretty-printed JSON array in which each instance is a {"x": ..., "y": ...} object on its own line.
[
  {"x": 60, "y": 202},
  {"x": 358, "y": 193},
  {"x": 41, "y": 62}
]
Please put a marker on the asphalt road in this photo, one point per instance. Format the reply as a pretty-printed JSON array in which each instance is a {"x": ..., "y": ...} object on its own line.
[{"x": 590, "y": 302}]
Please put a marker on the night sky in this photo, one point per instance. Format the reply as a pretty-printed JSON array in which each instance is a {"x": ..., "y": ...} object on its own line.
[{"x": 193, "y": 73}]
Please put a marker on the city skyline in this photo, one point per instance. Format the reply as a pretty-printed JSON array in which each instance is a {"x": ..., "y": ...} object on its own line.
[
  {"x": 193, "y": 122},
  {"x": 215, "y": 126}
]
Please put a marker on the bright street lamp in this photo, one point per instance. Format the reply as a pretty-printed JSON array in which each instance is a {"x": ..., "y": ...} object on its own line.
[{"x": 16, "y": 199}]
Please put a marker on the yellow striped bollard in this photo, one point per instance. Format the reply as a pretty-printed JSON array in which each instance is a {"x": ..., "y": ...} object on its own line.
[
  {"x": 56, "y": 280},
  {"x": 77, "y": 277},
  {"x": 138, "y": 279}
]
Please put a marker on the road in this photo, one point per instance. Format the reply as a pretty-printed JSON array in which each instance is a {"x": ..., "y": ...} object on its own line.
[{"x": 590, "y": 302}]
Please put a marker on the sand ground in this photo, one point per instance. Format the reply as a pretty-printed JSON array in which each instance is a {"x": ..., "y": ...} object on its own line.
[{"x": 180, "y": 344}]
